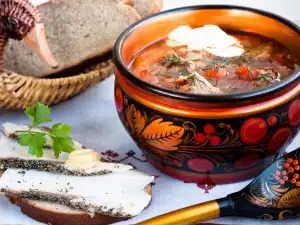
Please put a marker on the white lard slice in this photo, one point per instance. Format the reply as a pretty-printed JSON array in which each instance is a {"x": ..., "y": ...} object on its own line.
[
  {"x": 10, "y": 129},
  {"x": 10, "y": 148},
  {"x": 113, "y": 194}
]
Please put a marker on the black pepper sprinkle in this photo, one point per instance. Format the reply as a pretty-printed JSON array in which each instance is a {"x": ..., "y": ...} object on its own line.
[{"x": 47, "y": 166}]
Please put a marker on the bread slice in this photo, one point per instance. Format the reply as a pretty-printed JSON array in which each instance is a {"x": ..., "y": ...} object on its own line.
[
  {"x": 56, "y": 214},
  {"x": 145, "y": 7},
  {"x": 77, "y": 30}
]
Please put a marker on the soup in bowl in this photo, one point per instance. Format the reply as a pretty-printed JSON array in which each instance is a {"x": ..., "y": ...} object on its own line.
[{"x": 209, "y": 93}]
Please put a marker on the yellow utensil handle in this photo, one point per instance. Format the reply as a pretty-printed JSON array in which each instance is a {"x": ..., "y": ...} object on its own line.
[{"x": 187, "y": 216}]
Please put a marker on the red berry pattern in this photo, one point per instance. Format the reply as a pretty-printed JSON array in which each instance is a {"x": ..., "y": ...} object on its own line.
[
  {"x": 290, "y": 174},
  {"x": 200, "y": 138},
  {"x": 281, "y": 177},
  {"x": 214, "y": 140},
  {"x": 272, "y": 120},
  {"x": 209, "y": 130},
  {"x": 284, "y": 173}
]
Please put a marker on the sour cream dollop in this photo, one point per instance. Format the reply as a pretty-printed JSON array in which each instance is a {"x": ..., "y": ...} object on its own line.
[{"x": 210, "y": 38}]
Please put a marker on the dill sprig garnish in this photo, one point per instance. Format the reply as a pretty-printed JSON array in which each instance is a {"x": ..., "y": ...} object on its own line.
[
  {"x": 216, "y": 63},
  {"x": 171, "y": 60},
  {"x": 265, "y": 77}
]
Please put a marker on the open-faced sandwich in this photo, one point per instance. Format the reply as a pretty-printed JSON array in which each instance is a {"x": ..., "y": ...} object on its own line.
[{"x": 58, "y": 181}]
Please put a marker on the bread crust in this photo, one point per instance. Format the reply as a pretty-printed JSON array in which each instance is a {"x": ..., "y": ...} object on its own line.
[{"x": 57, "y": 217}]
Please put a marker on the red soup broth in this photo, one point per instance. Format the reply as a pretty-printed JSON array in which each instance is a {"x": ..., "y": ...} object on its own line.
[{"x": 263, "y": 63}]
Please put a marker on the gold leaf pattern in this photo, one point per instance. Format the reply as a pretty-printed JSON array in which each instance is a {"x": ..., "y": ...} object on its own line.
[
  {"x": 136, "y": 120},
  {"x": 163, "y": 135},
  {"x": 290, "y": 199}
]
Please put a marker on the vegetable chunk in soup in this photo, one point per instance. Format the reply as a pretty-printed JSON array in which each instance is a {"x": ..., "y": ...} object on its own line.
[{"x": 207, "y": 60}]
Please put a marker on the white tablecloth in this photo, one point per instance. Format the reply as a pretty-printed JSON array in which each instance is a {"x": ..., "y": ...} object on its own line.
[{"x": 95, "y": 123}]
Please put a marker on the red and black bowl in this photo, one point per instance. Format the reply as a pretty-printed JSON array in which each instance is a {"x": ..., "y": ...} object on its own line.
[{"x": 207, "y": 138}]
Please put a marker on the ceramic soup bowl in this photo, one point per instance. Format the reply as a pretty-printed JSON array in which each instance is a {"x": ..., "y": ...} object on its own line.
[{"x": 209, "y": 139}]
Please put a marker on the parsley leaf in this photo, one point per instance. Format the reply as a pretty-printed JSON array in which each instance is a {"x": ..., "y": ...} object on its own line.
[
  {"x": 30, "y": 112},
  {"x": 24, "y": 139},
  {"x": 39, "y": 115},
  {"x": 36, "y": 140},
  {"x": 42, "y": 114},
  {"x": 62, "y": 145},
  {"x": 61, "y": 130}
]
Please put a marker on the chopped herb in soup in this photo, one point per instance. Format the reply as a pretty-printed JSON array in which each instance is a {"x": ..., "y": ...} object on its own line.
[{"x": 207, "y": 60}]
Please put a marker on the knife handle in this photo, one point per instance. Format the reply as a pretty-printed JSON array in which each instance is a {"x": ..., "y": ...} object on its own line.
[{"x": 187, "y": 216}]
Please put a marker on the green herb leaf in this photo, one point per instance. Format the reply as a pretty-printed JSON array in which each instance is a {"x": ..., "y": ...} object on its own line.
[
  {"x": 61, "y": 130},
  {"x": 42, "y": 114},
  {"x": 62, "y": 145},
  {"x": 30, "y": 112},
  {"x": 25, "y": 139},
  {"x": 171, "y": 60},
  {"x": 265, "y": 77},
  {"x": 35, "y": 142}
]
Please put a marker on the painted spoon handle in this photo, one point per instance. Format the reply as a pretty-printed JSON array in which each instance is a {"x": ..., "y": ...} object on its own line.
[{"x": 187, "y": 216}]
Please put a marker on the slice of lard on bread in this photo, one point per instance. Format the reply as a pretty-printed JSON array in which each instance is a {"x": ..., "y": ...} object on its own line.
[
  {"x": 77, "y": 31},
  {"x": 12, "y": 154},
  {"x": 78, "y": 189}
]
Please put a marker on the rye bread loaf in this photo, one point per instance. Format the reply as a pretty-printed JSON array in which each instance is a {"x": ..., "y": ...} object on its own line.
[{"x": 77, "y": 30}]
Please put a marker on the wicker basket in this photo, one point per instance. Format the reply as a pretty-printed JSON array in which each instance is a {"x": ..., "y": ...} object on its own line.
[{"x": 17, "y": 91}]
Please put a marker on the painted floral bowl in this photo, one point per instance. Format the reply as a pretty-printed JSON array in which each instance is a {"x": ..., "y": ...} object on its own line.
[{"x": 209, "y": 139}]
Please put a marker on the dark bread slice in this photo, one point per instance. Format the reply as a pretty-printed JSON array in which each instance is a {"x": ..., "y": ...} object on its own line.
[
  {"x": 56, "y": 214},
  {"x": 48, "y": 213},
  {"x": 77, "y": 30}
]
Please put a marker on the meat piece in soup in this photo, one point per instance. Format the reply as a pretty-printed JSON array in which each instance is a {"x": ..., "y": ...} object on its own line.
[{"x": 239, "y": 62}]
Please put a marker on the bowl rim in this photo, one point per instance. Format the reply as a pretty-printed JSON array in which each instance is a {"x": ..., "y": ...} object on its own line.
[{"x": 123, "y": 69}]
